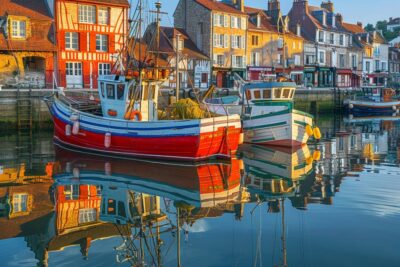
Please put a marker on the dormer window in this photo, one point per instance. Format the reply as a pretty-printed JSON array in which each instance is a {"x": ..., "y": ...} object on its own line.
[
  {"x": 258, "y": 21},
  {"x": 18, "y": 29}
]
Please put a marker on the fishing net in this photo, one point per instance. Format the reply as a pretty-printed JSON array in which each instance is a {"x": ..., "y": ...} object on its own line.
[{"x": 184, "y": 109}]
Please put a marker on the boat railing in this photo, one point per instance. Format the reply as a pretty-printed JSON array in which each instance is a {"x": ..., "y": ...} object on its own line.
[{"x": 83, "y": 101}]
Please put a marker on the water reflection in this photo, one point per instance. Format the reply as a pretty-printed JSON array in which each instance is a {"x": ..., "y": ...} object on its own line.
[{"x": 144, "y": 213}]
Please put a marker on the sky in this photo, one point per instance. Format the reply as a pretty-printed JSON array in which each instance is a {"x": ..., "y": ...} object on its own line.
[{"x": 366, "y": 11}]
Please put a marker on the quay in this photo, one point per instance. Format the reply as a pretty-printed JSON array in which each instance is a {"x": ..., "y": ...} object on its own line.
[{"x": 24, "y": 109}]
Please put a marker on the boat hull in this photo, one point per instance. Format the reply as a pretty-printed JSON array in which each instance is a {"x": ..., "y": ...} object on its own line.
[
  {"x": 175, "y": 140},
  {"x": 285, "y": 129},
  {"x": 368, "y": 108}
]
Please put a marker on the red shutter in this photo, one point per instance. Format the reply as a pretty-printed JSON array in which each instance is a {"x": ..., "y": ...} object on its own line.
[
  {"x": 83, "y": 41},
  {"x": 92, "y": 43},
  {"x": 61, "y": 40},
  {"x": 111, "y": 43}
]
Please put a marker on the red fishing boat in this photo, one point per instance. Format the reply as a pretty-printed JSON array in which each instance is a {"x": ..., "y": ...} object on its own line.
[{"x": 126, "y": 120}]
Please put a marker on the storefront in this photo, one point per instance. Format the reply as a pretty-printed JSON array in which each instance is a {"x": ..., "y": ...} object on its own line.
[
  {"x": 325, "y": 77},
  {"x": 378, "y": 78},
  {"x": 224, "y": 77},
  {"x": 260, "y": 73},
  {"x": 343, "y": 78},
  {"x": 309, "y": 77},
  {"x": 356, "y": 79}
]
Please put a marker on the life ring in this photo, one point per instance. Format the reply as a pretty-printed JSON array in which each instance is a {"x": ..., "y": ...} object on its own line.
[
  {"x": 135, "y": 115},
  {"x": 112, "y": 113}
]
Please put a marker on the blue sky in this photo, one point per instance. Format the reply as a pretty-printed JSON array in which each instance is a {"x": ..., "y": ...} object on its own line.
[{"x": 366, "y": 11}]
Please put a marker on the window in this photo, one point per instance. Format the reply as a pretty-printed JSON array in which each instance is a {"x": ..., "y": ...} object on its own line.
[
  {"x": 238, "y": 61},
  {"x": 101, "y": 42},
  {"x": 102, "y": 89},
  {"x": 234, "y": 22},
  {"x": 104, "y": 69},
  {"x": 204, "y": 77},
  {"x": 255, "y": 56},
  {"x": 279, "y": 59},
  {"x": 383, "y": 66},
  {"x": 87, "y": 14},
  {"x": 254, "y": 40},
  {"x": 342, "y": 60},
  {"x": 121, "y": 209},
  {"x": 341, "y": 39},
  {"x": 321, "y": 57},
  {"x": 377, "y": 65},
  {"x": 18, "y": 29},
  {"x": 220, "y": 40},
  {"x": 87, "y": 215},
  {"x": 220, "y": 60},
  {"x": 71, "y": 192},
  {"x": 266, "y": 94},
  {"x": 111, "y": 207},
  {"x": 354, "y": 61},
  {"x": 368, "y": 66},
  {"x": 286, "y": 93},
  {"x": 103, "y": 15},
  {"x": 110, "y": 91},
  {"x": 277, "y": 93},
  {"x": 217, "y": 21},
  {"x": 20, "y": 202},
  {"x": 321, "y": 36},
  {"x": 310, "y": 59},
  {"x": 71, "y": 41},
  {"x": 332, "y": 39}
]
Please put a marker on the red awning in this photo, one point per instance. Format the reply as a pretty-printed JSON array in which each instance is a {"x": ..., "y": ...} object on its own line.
[{"x": 344, "y": 71}]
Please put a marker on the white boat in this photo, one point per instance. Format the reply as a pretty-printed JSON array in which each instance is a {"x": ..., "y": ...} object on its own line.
[{"x": 268, "y": 115}]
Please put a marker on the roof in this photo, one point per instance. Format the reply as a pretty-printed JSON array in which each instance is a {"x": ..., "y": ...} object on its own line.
[
  {"x": 41, "y": 21},
  {"x": 190, "y": 49},
  {"x": 266, "y": 24},
  {"x": 395, "y": 21},
  {"x": 108, "y": 2},
  {"x": 219, "y": 6},
  {"x": 353, "y": 28}
]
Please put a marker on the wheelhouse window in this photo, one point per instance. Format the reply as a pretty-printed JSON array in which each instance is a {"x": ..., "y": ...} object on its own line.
[
  {"x": 87, "y": 14},
  {"x": 102, "y": 89},
  {"x": 18, "y": 29},
  {"x": 120, "y": 91},
  {"x": 277, "y": 93},
  {"x": 286, "y": 93},
  {"x": 20, "y": 202},
  {"x": 104, "y": 69},
  {"x": 71, "y": 41},
  {"x": 101, "y": 43},
  {"x": 110, "y": 91},
  {"x": 103, "y": 15},
  {"x": 267, "y": 94},
  {"x": 87, "y": 216},
  {"x": 257, "y": 94},
  {"x": 248, "y": 95}
]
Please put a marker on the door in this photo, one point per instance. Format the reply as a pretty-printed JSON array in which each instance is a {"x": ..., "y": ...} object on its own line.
[
  {"x": 219, "y": 79},
  {"x": 74, "y": 75}
]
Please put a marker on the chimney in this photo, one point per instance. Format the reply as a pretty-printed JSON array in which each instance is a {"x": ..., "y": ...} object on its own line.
[
  {"x": 339, "y": 19},
  {"x": 300, "y": 6},
  {"x": 298, "y": 29},
  {"x": 239, "y": 4},
  {"x": 328, "y": 6},
  {"x": 359, "y": 24},
  {"x": 274, "y": 9}
]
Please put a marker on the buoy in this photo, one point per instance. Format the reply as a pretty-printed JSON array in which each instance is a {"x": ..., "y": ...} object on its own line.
[
  {"x": 75, "y": 128},
  {"x": 351, "y": 116},
  {"x": 317, "y": 133},
  {"x": 74, "y": 117},
  {"x": 107, "y": 140},
  {"x": 241, "y": 138},
  {"x": 76, "y": 173},
  {"x": 68, "y": 130},
  {"x": 351, "y": 106},
  {"x": 309, "y": 130},
  {"x": 394, "y": 107},
  {"x": 317, "y": 155},
  {"x": 112, "y": 113},
  {"x": 107, "y": 168},
  {"x": 309, "y": 161}
]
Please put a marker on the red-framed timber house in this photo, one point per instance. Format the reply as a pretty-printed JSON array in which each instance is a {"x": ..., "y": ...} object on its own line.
[{"x": 90, "y": 35}]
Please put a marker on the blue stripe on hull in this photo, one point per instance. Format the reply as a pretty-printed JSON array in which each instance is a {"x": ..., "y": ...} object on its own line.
[{"x": 367, "y": 111}]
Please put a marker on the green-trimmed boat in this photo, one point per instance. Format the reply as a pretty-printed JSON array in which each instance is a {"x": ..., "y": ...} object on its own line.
[{"x": 268, "y": 115}]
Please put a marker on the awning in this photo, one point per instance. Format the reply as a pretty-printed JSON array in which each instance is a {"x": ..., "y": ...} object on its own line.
[
  {"x": 268, "y": 69},
  {"x": 344, "y": 71}
]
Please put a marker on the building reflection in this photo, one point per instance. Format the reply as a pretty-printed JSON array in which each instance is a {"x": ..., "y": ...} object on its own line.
[{"x": 77, "y": 199}]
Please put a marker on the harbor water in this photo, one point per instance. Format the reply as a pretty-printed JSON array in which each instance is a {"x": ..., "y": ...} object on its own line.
[{"x": 331, "y": 203}]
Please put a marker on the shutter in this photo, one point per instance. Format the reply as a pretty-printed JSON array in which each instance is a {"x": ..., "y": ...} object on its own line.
[
  {"x": 226, "y": 37},
  {"x": 232, "y": 21},
  {"x": 111, "y": 43},
  {"x": 61, "y": 40},
  {"x": 243, "y": 43},
  {"x": 82, "y": 41},
  {"x": 92, "y": 42},
  {"x": 226, "y": 21},
  {"x": 216, "y": 19},
  {"x": 233, "y": 41},
  {"x": 215, "y": 40},
  {"x": 215, "y": 59},
  {"x": 243, "y": 24},
  {"x": 233, "y": 63},
  {"x": 244, "y": 62}
]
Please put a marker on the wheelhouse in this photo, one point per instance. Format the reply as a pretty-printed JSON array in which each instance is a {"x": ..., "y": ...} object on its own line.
[{"x": 270, "y": 91}]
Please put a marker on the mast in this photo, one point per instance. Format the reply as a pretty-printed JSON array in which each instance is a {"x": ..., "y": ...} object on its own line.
[
  {"x": 178, "y": 238},
  {"x": 284, "y": 250},
  {"x": 158, "y": 7},
  {"x": 177, "y": 66}
]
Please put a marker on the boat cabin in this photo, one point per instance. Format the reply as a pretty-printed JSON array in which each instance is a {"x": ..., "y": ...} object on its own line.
[
  {"x": 119, "y": 96},
  {"x": 378, "y": 93},
  {"x": 275, "y": 91}
]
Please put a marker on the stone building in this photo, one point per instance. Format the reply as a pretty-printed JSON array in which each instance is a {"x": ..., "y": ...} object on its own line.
[
  {"x": 328, "y": 62},
  {"x": 394, "y": 65},
  {"x": 26, "y": 44},
  {"x": 90, "y": 34},
  {"x": 219, "y": 30}
]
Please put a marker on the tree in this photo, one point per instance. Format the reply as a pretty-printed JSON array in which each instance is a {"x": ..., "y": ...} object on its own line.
[{"x": 369, "y": 27}]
